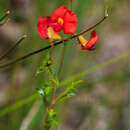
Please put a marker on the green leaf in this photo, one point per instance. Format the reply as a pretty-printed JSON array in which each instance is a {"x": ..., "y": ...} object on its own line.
[
  {"x": 41, "y": 92},
  {"x": 70, "y": 91},
  {"x": 52, "y": 119},
  {"x": 47, "y": 88},
  {"x": 40, "y": 70},
  {"x": 71, "y": 87},
  {"x": 67, "y": 95},
  {"x": 71, "y": 94},
  {"x": 46, "y": 65}
]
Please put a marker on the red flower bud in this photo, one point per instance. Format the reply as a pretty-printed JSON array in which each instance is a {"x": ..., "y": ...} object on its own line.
[{"x": 90, "y": 45}]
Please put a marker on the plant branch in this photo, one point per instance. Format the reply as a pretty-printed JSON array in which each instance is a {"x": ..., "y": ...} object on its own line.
[
  {"x": 93, "y": 69},
  {"x": 55, "y": 44},
  {"x": 53, "y": 95},
  {"x": 12, "y": 48},
  {"x": 60, "y": 96},
  {"x": 62, "y": 60},
  {"x": 5, "y": 15}
]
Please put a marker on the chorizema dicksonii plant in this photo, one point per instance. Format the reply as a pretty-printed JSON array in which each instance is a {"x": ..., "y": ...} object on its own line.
[
  {"x": 62, "y": 19},
  {"x": 49, "y": 27}
]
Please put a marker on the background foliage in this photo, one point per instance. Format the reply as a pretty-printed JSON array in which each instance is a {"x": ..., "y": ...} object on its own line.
[{"x": 103, "y": 99}]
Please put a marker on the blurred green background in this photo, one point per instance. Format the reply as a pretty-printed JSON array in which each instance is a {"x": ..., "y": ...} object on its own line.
[{"x": 103, "y": 99}]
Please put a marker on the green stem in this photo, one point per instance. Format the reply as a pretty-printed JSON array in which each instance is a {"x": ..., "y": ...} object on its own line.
[
  {"x": 95, "y": 68},
  {"x": 19, "y": 104}
]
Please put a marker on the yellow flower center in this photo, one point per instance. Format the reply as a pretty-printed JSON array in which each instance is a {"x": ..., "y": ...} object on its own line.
[
  {"x": 60, "y": 20},
  {"x": 82, "y": 40},
  {"x": 52, "y": 35}
]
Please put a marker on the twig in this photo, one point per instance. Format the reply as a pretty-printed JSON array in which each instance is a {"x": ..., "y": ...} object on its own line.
[
  {"x": 12, "y": 48},
  {"x": 60, "y": 96},
  {"x": 62, "y": 60},
  {"x": 53, "y": 95},
  {"x": 5, "y": 15},
  {"x": 55, "y": 44}
]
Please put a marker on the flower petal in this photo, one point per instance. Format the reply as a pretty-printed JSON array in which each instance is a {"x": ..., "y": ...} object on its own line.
[
  {"x": 42, "y": 26},
  {"x": 60, "y": 12},
  {"x": 56, "y": 27},
  {"x": 92, "y": 41},
  {"x": 91, "y": 48},
  {"x": 70, "y": 22}
]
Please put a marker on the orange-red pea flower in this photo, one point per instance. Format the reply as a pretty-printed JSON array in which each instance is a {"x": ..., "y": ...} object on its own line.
[
  {"x": 88, "y": 45},
  {"x": 66, "y": 19},
  {"x": 61, "y": 19},
  {"x": 45, "y": 30}
]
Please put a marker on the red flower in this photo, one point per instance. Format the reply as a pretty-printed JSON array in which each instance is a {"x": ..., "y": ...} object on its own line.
[
  {"x": 88, "y": 45},
  {"x": 66, "y": 18},
  {"x": 45, "y": 29},
  {"x": 62, "y": 19}
]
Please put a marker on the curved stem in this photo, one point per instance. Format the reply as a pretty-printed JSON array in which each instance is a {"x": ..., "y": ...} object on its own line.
[{"x": 55, "y": 44}]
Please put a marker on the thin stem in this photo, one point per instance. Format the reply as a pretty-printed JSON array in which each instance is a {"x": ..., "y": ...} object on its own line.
[
  {"x": 55, "y": 44},
  {"x": 55, "y": 86},
  {"x": 53, "y": 95},
  {"x": 70, "y": 4},
  {"x": 86, "y": 30},
  {"x": 5, "y": 15},
  {"x": 60, "y": 96},
  {"x": 12, "y": 48},
  {"x": 62, "y": 60}
]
